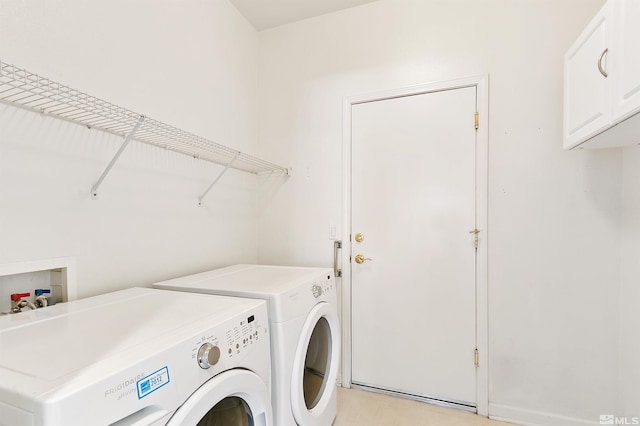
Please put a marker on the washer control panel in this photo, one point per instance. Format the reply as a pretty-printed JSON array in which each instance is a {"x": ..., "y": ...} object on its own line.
[
  {"x": 322, "y": 285},
  {"x": 208, "y": 355},
  {"x": 229, "y": 341}
]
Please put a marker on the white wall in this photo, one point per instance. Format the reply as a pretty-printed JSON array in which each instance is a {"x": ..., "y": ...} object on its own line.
[
  {"x": 554, "y": 215},
  {"x": 630, "y": 294},
  {"x": 554, "y": 236},
  {"x": 190, "y": 64}
]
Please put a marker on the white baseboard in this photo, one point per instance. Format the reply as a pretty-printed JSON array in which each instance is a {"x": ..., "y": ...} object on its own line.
[{"x": 524, "y": 417}]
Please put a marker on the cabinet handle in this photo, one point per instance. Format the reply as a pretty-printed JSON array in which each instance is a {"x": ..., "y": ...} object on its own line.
[{"x": 602, "y": 71}]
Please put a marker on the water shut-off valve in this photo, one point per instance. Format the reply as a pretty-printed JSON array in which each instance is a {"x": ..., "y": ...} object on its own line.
[
  {"x": 43, "y": 298},
  {"x": 18, "y": 302}
]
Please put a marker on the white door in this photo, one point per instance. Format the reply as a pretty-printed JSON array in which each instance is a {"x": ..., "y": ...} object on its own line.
[
  {"x": 413, "y": 202},
  {"x": 587, "y": 100}
]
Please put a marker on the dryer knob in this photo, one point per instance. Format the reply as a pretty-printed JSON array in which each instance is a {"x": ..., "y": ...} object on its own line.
[
  {"x": 208, "y": 355},
  {"x": 316, "y": 290}
]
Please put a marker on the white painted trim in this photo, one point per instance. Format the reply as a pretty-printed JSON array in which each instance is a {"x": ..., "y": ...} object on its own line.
[
  {"x": 67, "y": 264},
  {"x": 482, "y": 261},
  {"x": 346, "y": 243},
  {"x": 414, "y": 90},
  {"x": 481, "y": 84},
  {"x": 526, "y": 417}
]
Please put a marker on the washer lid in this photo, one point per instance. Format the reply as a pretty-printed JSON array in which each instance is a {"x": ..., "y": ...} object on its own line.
[{"x": 48, "y": 344}]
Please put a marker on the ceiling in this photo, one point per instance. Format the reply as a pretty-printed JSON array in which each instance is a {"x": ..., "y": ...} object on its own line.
[{"x": 265, "y": 14}]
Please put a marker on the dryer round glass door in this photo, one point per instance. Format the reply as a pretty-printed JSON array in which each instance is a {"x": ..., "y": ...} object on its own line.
[
  {"x": 315, "y": 368},
  {"x": 316, "y": 363},
  {"x": 232, "y": 398}
]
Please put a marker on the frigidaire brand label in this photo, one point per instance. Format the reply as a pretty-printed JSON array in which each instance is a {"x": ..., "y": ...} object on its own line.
[
  {"x": 152, "y": 382},
  {"x": 126, "y": 387}
]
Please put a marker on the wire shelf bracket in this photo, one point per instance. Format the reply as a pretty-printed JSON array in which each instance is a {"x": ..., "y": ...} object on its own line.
[
  {"x": 27, "y": 90},
  {"x": 217, "y": 179},
  {"x": 127, "y": 139}
]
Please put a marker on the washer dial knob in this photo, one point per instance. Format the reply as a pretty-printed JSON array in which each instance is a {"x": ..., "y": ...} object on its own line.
[
  {"x": 316, "y": 289},
  {"x": 208, "y": 355}
]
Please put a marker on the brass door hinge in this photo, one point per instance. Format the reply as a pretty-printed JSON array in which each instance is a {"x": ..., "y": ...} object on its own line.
[
  {"x": 476, "y": 119},
  {"x": 475, "y": 233},
  {"x": 476, "y": 362}
]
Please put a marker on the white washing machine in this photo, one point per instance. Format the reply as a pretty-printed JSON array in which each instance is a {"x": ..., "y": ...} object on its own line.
[
  {"x": 305, "y": 333},
  {"x": 137, "y": 357}
]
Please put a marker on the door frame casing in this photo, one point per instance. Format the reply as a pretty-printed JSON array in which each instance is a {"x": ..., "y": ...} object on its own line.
[{"x": 482, "y": 151}]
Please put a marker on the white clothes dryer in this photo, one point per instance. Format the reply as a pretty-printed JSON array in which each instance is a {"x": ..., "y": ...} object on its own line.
[
  {"x": 137, "y": 357},
  {"x": 305, "y": 333}
]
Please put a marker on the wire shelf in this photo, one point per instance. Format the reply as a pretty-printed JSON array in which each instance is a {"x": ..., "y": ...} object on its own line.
[{"x": 37, "y": 93}]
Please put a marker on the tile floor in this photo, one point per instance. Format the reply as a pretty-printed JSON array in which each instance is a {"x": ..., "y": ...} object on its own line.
[{"x": 361, "y": 408}]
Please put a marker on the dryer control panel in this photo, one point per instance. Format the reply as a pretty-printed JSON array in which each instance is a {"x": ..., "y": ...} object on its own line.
[{"x": 322, "y": 285}]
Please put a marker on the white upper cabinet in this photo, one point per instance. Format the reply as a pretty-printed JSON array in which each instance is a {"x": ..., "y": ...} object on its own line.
[
  {"x": 626, "y": 85},
  {"x": 587, "y": 100},
  {"x": 602, "y": 80}
]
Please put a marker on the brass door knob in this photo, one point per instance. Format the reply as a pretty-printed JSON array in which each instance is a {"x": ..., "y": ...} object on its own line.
[
  {"x": 359, "y": 237},
  {"x": 361, "y": 259}
]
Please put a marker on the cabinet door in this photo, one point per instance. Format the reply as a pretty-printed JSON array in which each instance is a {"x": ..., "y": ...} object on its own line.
[
  {"x": 626, "y": 58},
  {"x": 587, "y": 93}
]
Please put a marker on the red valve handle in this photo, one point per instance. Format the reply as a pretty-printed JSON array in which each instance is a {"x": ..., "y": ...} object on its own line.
[{"x": 18, "y": 296}]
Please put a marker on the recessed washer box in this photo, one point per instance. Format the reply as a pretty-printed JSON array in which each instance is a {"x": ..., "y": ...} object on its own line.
[{"x": 57, "y": 274}]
